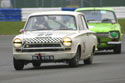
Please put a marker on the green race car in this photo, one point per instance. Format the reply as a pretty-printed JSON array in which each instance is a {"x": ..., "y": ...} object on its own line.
[{"x": 103, "y": 21}]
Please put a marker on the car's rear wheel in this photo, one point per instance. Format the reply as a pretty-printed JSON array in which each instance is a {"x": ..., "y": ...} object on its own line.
[
  {"x": 89, "y": 60},
  {"x": 74, "y": 62},
  {"x": 36, "y": 64},
  {"x": 117, "y": 49},
  {"x": 18, "y": 64}
]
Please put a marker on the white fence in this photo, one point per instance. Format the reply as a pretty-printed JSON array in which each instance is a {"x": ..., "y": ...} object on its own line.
[
  {"x": 27, "y": 11},
  {"x": 120, "y": 11}
]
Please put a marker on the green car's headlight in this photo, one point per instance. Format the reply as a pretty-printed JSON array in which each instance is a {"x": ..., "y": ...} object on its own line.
[
  {"x": 17, "y": 43},
  {"x": 67, "y": 41},
  {"x": 114, "y": 34}
]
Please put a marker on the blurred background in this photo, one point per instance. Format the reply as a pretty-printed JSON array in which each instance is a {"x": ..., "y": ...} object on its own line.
[
  {"x": 14, "y": 13},
  {"x": 59, "y": 3}
]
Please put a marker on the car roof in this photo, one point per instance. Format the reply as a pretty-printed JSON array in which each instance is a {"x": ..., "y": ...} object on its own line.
[
  {"x": 94, "y": 8},
  {"x": 55, "y": 13}
]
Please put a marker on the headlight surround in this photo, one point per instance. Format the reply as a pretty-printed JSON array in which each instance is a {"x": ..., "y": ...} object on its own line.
[
  {"x": 114, "y": 34},
  {"x": 67, "y": 41},
  {"x": 17, "y": 43}
]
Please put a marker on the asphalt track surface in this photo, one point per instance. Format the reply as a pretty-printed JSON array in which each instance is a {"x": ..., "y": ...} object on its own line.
[{"x": 107, "y": 68}]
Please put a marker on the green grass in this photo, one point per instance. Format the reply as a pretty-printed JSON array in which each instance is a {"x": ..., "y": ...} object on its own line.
[
  {"x": 10, "y": 28},
  {"x": 13, "y": 28},
  {"x": 122, "y": 23}
]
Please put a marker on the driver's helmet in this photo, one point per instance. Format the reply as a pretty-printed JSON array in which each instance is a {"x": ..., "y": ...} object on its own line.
[
  {"x": 66, "y": 19},
  {"x": 40, "y": 20}
]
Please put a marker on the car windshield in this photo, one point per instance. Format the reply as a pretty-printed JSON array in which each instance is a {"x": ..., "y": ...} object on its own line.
[
  {"x": 99, "y": 16},
  {"x": 51, "y": 22}
]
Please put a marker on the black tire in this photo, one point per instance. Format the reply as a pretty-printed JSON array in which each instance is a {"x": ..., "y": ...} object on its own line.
[
  {"x": 89, "y": 60},
  {"x": 117, "y": 49},
  {"x": 18, "y": 64},
  {"x": 36, "y": 64},
  {"x": 74, "y": 62}
]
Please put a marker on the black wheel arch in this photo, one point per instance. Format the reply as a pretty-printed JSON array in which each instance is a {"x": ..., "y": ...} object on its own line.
[
  {"x": 93, "y": 49},
  {"x": 79, "y": 47}
]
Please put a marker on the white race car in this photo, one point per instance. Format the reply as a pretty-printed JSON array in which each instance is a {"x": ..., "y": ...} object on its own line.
[{"x": 56, "y": 36}]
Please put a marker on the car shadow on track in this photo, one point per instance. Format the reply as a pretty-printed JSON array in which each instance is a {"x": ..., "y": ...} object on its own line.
[
  {"x": 104, "y": 53},
  {"x": 108, "y": 53},
  {"x": 54, "y": 67},
  {"x": 63, "y": 67},
  {"x": 48, "y": 67}
]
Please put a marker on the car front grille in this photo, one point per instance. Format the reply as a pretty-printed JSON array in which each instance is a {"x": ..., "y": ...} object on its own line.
[
  {"x": 102, "y": 34},
  {"x": 44, "y": 50},
  {"x": 41, "y": 45}
]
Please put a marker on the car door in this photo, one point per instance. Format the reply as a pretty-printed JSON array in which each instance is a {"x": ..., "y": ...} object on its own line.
[
  {"x": 91, "y": 36},
  {"x": 85, "y": 37}
]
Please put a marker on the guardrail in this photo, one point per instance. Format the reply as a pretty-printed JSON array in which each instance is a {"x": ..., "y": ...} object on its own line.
[
  {"x": 22, "y": 14},
  {"x": 120, "y": 12}
]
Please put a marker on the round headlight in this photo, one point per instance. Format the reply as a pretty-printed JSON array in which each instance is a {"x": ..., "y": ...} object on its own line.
[
  {"x": 17, "y": 43},
  {"x": 114, "y": 34},
  {"x": 67, "y": 41}
]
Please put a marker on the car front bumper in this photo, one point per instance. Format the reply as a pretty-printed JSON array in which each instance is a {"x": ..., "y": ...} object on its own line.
[
  {"x": 114, "y": 42},
  {"x": 57, "y": 55},
  {"x": 108, "y": 45}
]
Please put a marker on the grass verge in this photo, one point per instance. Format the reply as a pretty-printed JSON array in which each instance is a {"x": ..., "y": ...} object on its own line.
[
  {"x": 122, "y": 23},
  {"x": 10, "y": 28},
  {"x": 13, "y": 28}
]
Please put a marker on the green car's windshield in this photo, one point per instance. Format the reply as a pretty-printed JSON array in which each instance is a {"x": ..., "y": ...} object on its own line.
[
  {"x": 99, "y": 16},
  {"x": 51, "y": 22}
]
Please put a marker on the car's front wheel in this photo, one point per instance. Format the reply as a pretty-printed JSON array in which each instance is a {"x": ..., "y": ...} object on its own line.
[
  {"x": 117, "y": 49},
  {"x": 74, "y": 62},
  {"x": 18, "y": 64},
  {"x": 89, "y": 60}
]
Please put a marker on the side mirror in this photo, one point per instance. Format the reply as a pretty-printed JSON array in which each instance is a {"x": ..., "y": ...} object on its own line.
[{"x": 22, "y": 30}]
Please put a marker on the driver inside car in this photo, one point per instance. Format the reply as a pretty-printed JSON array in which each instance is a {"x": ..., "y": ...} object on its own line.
[{"x": 41, "y": 23}]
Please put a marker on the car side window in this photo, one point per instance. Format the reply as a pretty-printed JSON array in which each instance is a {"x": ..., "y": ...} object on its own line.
[
  {"x": 84, "y": 22},
  {"x": 80, "y": 23}
]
